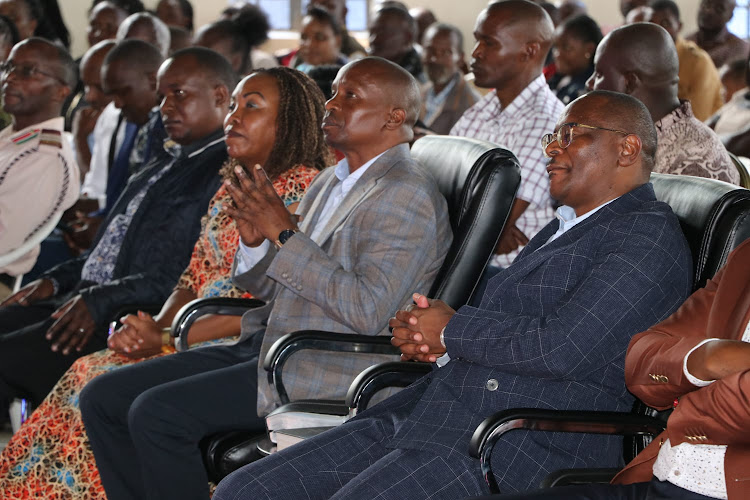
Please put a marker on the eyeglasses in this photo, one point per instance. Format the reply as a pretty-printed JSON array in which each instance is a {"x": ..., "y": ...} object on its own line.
[
  {"x": 25, "y": 72},
  {"x": 564, "y": 135}
]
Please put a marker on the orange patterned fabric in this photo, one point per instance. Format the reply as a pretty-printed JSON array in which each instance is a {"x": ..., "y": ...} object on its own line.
[{"x": 49, "y": 457}]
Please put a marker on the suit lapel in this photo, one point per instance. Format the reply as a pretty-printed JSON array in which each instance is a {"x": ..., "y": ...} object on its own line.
[
  {"x": 361, "y": 189},
  {"x": 312, "y": 215}
]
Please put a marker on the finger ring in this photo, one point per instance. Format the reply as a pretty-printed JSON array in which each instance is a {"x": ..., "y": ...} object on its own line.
[{"x": 81, "y": 330}]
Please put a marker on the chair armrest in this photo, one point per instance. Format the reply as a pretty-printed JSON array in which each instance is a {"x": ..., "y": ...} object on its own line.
[
  {"x": 380, "y": 376},
  {"x": 318, "y": 340},
  {"x": 588, "y": 422},
  {"x": 194, "y": 309}
]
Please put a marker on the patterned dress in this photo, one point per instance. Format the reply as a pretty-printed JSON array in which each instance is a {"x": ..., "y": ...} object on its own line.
[{"x": 49, "y": 457}]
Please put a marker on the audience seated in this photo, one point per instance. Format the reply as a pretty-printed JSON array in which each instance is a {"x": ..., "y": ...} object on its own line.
[
  {"x": 142, "y": 246},
  {"x": 39, "y": 177},
  {"x": 713, "y": 35},
  {"x": 30, "y": 19},
  {"x": 551, "y": 331},
  {"x": 104, "y": 20},
  {"x": 575, "y": 43},
  {"x": 146, "y": 27},
  {"x": 447, "y": 95},
  {"x": 291, "y": 114},
  {"x": 732, "y": 76},
  {"x": 320, "y": 41},
  {"x": 423, "y": 19},
  {"x": 8, "y": 38},
  {"x": 350, "y": 47},
  {"x": 697, "y": 362},
  {"x": 699, "y": 80},
  {"x": 731, "y": 122},
  {"x": 392, "y": 32},
  {"x": 372, "y": 230},
  {"x": 512, "y": 41},
  {"x": 641, "y": 60},
  {"x": 626, "y": 6},
  {"x": 177, "y": 13}
]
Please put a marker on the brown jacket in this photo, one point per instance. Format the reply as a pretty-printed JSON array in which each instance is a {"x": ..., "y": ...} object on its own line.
[
  {"x": 458, "y": 100},
  {"x": 716, "y": 414}
]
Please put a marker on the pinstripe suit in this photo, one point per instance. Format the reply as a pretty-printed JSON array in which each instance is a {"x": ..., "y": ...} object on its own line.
[
  {"x": 387, "y": 239},
  {"x": 551, "y": 332}
]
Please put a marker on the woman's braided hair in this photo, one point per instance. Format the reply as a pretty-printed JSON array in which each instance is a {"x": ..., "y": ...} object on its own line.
[{"x": 299, "y": 138}]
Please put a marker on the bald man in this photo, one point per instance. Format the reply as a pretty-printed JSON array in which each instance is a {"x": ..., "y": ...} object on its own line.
[
  {"x": 146, "y": 27},
  {"x": 513, "y": 38},
  {"x": 374, "y": 229},
  {"x": 551, "y": 331},
  {"x": 641, "y": 60}
]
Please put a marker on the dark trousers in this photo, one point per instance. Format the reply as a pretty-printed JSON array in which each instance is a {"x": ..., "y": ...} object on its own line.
[
  {"x": 652, "y": 490},
  {"x": 354, "y": 462},
  {"x": 145, "y": 421},
  {"x": 28, "y": 366}
]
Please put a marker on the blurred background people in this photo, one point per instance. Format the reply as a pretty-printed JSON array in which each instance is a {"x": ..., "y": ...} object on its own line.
[{"x": 575, "y": 44}]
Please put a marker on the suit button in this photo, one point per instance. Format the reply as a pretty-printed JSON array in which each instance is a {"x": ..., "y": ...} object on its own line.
[
  {"x": 299, "y": 288},
  {"x": 284, "y": 275},
  {"x": 492, "y": 385}
]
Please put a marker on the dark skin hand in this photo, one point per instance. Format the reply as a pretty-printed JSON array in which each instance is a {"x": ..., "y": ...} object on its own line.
[
  {"x": 511, "y": 238},
  {"x": 83, "y": 124},
  {"x": 258, "y": 211},
  {"x": 718, "y": 359},
  {"x": 33, "y": 292},
  {"x": 416, "y": 329},
  {"x": 73, "y": 328},
  {"x": 139, "y": 336},
  {"x": 82, "y": 236}
]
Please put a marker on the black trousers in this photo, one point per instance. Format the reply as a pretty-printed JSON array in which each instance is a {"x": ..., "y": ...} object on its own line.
[
  {"x": 28, "y": 366},
  {"x": 145, "y": 421},
  {"x": 652, "y": 490}
]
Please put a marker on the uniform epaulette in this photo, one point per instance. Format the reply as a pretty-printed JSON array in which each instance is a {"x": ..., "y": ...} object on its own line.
[
  {"x": 51, "y": 137},
  {"x": 26, "y": 136}
]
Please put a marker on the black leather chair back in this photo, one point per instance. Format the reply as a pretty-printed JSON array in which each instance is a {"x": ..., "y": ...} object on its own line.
[
  {"x": 714, "y": 215},
  {"x": 479, "y": 180}
]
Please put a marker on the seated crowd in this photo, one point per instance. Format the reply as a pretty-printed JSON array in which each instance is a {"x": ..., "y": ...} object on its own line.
[{"x": 185, "y": 163}]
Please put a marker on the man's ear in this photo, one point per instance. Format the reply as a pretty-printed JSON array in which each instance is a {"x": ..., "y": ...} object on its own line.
[
  {"x": 632, "y": 82},
  {"x": 396, "y": 119},
  {"x": 530, "y": 50},
  {"x": 221, "y": 97},
  {"x": 630, "y": 150},
  {"x": 62, "y": 93}
]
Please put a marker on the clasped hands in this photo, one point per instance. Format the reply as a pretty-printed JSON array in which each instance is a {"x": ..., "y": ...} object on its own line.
[
  {"x": 416, "y": 329},
  {"x": 139, "y": 336},
  {"x": 258, "y": 211}
]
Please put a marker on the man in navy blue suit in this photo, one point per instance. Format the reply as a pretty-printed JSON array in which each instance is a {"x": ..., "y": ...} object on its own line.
[{"x": 551, "y": 332}]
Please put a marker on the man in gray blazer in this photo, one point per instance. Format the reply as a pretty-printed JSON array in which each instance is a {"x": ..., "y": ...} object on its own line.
[
  {"x": 373, "y": 229},
  {"x": 551, "y": 332}
]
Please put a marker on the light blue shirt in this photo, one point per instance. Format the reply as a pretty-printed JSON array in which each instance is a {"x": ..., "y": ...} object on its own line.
[{"x": 249, "y": 257}]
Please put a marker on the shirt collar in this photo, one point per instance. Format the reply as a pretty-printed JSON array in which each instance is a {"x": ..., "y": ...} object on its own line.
[
  {"x": 193, "y": 149},
  {"x": 567, "y": 216},
  {"x": 539, "y": 83},
  {"x": 443, "y": 93},
  {"x": 682, "y": 112},
  {"x": 348, "y": 179}
]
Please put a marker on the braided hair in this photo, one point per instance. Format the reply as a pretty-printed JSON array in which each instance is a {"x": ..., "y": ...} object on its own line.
[{"x": 299, "y": 138}]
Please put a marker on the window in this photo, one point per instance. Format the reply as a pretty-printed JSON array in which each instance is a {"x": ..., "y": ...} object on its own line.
[
  {"x": 287, "y": 14},
  {"x": 740, "y": 23}
]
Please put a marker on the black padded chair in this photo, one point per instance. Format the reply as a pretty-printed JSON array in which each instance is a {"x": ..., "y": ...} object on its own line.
[
  {"x": 479, "y": 181},
  {"x": 715, "y": 217}
]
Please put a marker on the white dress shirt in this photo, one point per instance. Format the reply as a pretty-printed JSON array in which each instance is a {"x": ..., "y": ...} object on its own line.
[
  {"x": 250, "y": 256},
  {"x": 95, "y": 181}
]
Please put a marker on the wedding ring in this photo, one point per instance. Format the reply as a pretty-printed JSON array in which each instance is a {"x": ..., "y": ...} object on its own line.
[{"x": 81, "y": 330}]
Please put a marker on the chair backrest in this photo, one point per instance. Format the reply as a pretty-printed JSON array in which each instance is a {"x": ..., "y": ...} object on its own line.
[
  {"x": 479, "y": 180},
  {"x": 742, "y": 168},
  {"x": 714, "y": 215}
]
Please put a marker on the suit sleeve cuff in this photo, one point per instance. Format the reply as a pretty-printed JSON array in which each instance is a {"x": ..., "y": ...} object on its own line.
[
  {"x": 249, "y": 257},
  {"x": 693, "y": 380}
]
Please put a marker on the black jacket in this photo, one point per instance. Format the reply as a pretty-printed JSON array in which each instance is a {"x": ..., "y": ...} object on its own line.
[{"x": 159, "y": 241}]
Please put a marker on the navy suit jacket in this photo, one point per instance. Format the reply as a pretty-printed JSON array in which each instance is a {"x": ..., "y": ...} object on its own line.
[{"x": 551, "y": 332}]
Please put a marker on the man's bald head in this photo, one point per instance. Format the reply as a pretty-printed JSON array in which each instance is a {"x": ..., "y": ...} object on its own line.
[
  {"x": 135, "y": 54},
  {"x": 146, "y": 27},
  {"x": 621, "y": 112},
  {"x": 401, "y": 88},
  {"x": 640, "y": 60},
  {"x": 90, "y": 71},
  {"x": 533, "y": 20}
]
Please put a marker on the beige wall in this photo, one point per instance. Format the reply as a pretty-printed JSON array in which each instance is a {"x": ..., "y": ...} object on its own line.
[{"x": 461, "y": 13}]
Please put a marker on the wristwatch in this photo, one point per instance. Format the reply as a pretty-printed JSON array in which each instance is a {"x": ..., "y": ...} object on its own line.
[{"x": 284, "y": 236}]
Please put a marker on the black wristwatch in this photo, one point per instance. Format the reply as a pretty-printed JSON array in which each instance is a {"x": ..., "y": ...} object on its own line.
[{"x": 284, "y": 237}]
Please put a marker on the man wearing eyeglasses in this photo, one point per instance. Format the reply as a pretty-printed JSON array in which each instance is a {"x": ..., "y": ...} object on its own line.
[
  {"x": 551, "y": 331},
  {"x": 39, "y": 177}
]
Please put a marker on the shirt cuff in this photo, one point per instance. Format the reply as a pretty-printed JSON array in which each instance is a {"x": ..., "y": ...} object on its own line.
[
  {"x": 249, "y": 256},
  {"x": 443, "y": 360},
  {"x": 693, "y": 380}
]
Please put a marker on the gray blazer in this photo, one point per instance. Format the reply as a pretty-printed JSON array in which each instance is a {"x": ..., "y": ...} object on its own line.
[{"x": 386, "y": 240}]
